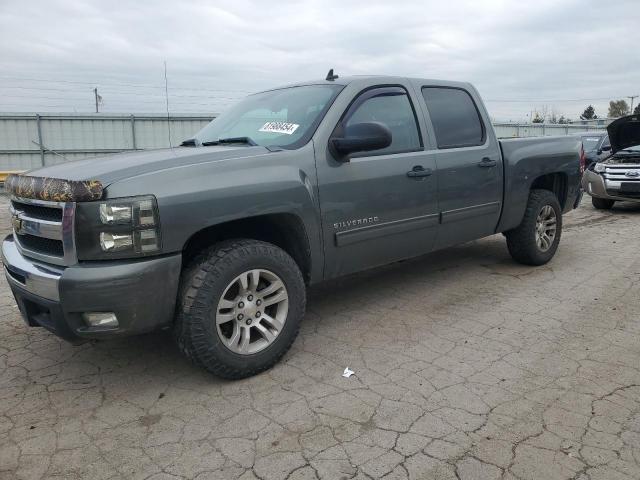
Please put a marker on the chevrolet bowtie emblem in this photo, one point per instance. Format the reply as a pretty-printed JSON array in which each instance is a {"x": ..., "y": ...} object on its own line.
[{"x": 16, "y": 222}]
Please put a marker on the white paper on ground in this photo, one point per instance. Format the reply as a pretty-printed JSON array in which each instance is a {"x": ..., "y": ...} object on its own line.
[{"x": 347, "y": 373}]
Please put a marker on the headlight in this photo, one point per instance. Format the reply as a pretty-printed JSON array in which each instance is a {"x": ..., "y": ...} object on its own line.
[
  {"x": 599, "y": 168},
  {"x": 117, "y": 228}
]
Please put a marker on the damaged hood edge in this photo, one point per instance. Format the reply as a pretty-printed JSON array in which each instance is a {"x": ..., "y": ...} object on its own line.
[{"x": 53, "y": 189}]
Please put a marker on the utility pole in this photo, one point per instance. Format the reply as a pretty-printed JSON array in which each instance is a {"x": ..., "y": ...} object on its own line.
[
  {"x": 166, "y": 96},
  {"x": 95, "y": 94},
  {"x": 631, "y": 97}
]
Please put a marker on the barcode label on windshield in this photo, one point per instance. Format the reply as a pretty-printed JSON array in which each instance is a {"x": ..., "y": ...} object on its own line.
[{"x": 279, "y": 127}]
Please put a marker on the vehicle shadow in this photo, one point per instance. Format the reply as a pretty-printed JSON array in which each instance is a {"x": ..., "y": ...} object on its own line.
[
  {"x": 155, "y": 354},
  {"x": 627, "y": 207}
]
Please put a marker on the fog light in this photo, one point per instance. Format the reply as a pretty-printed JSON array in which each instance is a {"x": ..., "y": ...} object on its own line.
[{"x": 100, "y": 319}]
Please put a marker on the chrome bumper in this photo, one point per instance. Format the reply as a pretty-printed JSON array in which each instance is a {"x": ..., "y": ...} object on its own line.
[
  {"x": 594, "y": 185},
  {"x": 36, "y": 278}
]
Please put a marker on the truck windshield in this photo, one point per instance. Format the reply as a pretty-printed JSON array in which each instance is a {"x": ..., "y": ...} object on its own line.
[{"x": 284, "y": 118}]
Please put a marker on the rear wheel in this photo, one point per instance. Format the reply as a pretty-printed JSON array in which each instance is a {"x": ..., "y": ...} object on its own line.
[
  {"x": 241, "y": 306},
  {"x": 602, "y": 203},
  {"x": 536, "y": 239}
]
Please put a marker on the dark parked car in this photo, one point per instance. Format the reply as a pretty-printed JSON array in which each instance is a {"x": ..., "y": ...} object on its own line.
[
  {"x": 217, "y": 239},
  {"x": 596, "y": 146}
]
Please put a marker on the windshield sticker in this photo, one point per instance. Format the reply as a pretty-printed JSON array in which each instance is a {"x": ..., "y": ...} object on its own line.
[{"x": 279, "y": 127}]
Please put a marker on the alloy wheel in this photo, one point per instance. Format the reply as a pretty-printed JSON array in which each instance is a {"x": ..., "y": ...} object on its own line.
[
  {"x": 252, "y": 311},
  {"x": 546, "y": 225}
]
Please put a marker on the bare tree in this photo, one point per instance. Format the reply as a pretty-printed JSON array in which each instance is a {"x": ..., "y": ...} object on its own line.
[{"x": 618, "y": 108}]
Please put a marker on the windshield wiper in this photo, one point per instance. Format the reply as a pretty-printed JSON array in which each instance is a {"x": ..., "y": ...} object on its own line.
[
  {"x": 222, "y": 141},
  {"x": 192, "y": 142}
]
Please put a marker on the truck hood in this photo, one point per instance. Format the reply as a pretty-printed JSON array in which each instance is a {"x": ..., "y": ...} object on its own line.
[
  {"x": 111, "y": 168},
  {"x": 86, "y": 179},
  {"x": 624, "y": 132}
]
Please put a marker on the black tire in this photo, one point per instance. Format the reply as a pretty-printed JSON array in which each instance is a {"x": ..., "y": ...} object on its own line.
[
  {"x": 602, "y": 203},
  {"x": 521, "y": 241},
  {"x": 203, "y": 283}
]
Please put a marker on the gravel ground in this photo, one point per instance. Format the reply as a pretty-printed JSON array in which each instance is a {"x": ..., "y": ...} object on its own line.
[{"x": 466, "y": 364}]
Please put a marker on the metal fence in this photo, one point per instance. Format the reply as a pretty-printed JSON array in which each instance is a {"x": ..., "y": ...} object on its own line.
[
  {"x": 30, "y": 140},
  {"x": 508, "y": 130}
]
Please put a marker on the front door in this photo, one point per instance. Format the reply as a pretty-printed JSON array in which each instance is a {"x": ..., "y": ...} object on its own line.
[{"x": 378, "y": 206}]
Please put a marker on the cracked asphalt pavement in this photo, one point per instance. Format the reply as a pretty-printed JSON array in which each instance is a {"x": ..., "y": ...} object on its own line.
[{"x": 467, "y": 366}]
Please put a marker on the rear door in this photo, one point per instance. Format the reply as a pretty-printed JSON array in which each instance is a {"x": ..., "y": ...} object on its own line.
[
  {"x": 469, "y": 164},
  {"x": 375, "y": 208}
]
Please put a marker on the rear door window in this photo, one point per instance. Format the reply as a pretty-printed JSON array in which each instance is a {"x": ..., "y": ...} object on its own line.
[{"x": 455, "y": 117}]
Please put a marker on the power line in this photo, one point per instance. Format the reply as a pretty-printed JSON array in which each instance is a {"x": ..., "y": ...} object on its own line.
[
  {"x": 133, "y": 85},
  {"x": 37, "y": 89}
]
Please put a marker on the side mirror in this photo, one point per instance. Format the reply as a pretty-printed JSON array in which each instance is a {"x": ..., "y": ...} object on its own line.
[
  {"x": 361, "y": 137},
  {"x": 604, "y": 148}
]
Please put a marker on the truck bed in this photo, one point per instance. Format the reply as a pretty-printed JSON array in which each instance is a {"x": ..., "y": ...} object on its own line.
[{"x": 526, "y": 160}]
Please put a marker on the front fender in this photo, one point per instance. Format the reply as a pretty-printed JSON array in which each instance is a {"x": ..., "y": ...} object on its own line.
[{"x": 196, "y": 197}]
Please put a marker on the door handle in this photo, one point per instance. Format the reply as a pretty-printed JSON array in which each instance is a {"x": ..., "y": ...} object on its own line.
[
  {"x": 487, "y": 162},
  {"x": 419, "y": 171}
]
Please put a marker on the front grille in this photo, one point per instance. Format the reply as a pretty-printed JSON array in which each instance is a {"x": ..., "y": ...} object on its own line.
[
  {"x": 44, "y": 230},
  {"x": 38, "y": 211},
  {"x": 622, "y": 173},
  {"x": 45, "y": 246}
]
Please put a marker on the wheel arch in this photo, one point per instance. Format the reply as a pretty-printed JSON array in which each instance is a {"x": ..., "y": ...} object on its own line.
[
  {"x": 556, "y": 182},
  {"x": 285, "y": 230}
]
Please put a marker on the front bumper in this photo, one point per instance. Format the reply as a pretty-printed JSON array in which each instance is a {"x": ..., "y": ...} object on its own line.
[
  {"x": 594, "y": 184},
  {"x": 141, "y": 293}
]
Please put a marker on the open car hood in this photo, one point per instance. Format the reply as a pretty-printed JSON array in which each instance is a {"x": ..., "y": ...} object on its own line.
[{"x": 624, "y": 132}]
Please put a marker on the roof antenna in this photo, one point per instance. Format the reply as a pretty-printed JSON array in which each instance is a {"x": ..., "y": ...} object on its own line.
[{"x": 330, "y": 76}]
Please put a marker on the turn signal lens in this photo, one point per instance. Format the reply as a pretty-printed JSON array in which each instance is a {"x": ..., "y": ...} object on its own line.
[
  {"x": 599, "y": 168},
  {"x": 147, "y": 241},
  {"x": 146, "y": 215}
]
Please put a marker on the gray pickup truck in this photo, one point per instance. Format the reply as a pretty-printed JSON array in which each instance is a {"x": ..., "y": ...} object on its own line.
[{"x": 217, "y": 239}]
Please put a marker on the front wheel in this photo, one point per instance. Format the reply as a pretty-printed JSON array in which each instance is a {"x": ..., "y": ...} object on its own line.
[
  {"x": 602, "y": 203},
  {"x": 536, "y": 239},
  {"x": 240, "y": 309}
]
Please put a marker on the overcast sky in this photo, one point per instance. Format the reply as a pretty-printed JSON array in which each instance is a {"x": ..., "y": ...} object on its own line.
[{"x": 522, "y": 55}]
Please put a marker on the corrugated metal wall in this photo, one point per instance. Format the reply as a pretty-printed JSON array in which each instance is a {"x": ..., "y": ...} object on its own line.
[
  {"x": 29, "y": 140},
  {"x": 507, "y": 130}
]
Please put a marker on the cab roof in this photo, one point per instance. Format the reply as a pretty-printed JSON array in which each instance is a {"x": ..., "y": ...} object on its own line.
[{"x": 375, "y": 79}]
